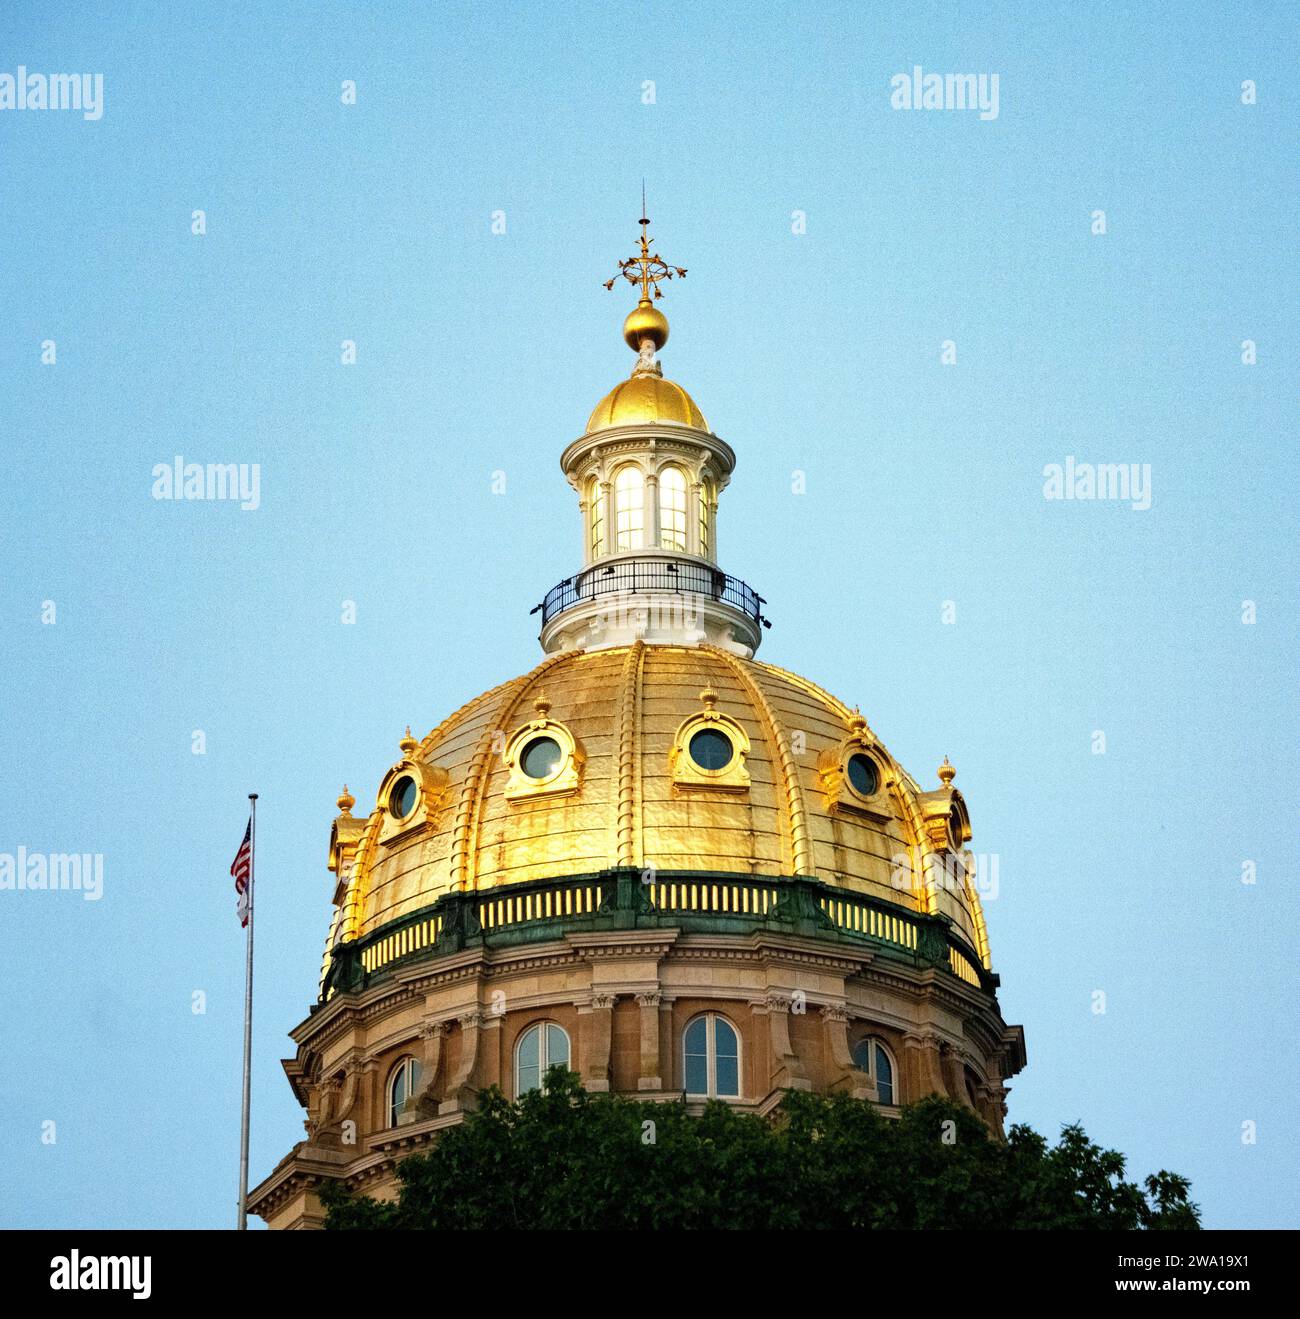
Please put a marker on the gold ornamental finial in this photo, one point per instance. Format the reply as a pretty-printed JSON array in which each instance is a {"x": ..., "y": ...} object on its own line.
[
  {"x": 346, "y": 801},
  {"x": 946, "y": 773},
  {"x": 408, "y": 743},
  {"x": 542, "y": 706},
  {"x": 648, "y": 270},
  {"x": 709, "y": 699}
]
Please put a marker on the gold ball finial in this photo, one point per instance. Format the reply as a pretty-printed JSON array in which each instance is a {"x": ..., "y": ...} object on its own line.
[
  {"x": 408, "y": 744},
  {"x": 648, "y": 270},
  {"x": 946, "y": 773},
  {"x": 346, "y": 801},
  {"x": 542, "y": 706},
  {"x": 645, "y": 321},
  {"x": 709, "y": 699}
]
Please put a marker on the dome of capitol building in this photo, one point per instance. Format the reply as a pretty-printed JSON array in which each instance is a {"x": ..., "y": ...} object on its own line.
[{"x": 681, "y": 871}]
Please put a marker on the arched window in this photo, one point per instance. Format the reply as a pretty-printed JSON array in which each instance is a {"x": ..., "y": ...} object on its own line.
[
  {"x": 874, "y": 1059},
  {"x": 629, "y": 509},
  {"x": 402, "y": 1084},
  {"x": 711, "y": 1054},
  {"x": 596, "y": 512},
  {"x": 706, "y": 496},
  {"x": 672, "y": 509},
  {"x": 541, "y": 1046}
]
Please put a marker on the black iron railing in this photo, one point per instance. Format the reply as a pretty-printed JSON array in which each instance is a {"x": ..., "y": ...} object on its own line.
[{"x": 629, "y": 576}]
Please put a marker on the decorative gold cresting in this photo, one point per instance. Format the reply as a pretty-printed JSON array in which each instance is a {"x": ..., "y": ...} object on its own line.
[{"x": 646, "y": 327}]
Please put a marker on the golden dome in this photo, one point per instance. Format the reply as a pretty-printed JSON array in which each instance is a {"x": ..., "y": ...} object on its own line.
[
  {"x": 646, "y": 398},
  {"x": 623, "y": 793}
]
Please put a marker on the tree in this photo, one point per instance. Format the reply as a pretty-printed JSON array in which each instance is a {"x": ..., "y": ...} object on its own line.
[{"x": 562, "y": 1158}]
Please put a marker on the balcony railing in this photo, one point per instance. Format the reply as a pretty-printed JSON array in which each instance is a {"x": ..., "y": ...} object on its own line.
[
  {"x": 693, "y": 901},
  {"x": 639, "y": 575}
]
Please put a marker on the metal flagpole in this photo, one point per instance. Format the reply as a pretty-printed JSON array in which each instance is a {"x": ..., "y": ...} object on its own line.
[{"x": 248, "y": 1021}]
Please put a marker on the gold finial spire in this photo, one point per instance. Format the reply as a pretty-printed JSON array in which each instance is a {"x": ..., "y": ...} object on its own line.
[
  {"x": 648, "y": 270},
  {"x": 946, "y": 773},
  {"x": 408, "y": 744},
  {"x": 346, "y": 801}
]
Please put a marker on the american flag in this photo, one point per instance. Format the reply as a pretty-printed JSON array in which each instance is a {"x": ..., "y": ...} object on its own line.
[{"x": 241, "y": 869}]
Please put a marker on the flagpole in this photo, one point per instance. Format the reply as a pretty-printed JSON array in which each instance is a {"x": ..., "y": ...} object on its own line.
[{"x": 248, "y": 1022}]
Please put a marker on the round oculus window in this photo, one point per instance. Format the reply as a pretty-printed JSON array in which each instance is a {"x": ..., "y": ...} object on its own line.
[
  {"x": 862, "y": 774},
  {"x": 401, "y": 800},
  {"x": 711, "y": 749},
  {"x": 957, "y": 832},
  {"x": 541, "y": 758}
]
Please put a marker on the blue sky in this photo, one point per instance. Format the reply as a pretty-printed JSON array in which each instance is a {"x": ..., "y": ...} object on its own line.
[{"x": 818, "y": 352}]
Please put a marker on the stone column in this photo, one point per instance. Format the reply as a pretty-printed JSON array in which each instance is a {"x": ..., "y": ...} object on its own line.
[
  {"x": 998, "y": 1105},
  {"x": 460, "y": 1090},
  {"x": 787, "y": 1068},
  {"x": 923, "y": 1066},
  {"x": 351, "y": 1090},
  {"x": 370, "y": 1087},
  {"x": 953, "y": 1061},
  {"x": 845, "y": 1073},
  {"x": 649, "y": 1076},
  {"x": 669, "y": 1045},
  {"x": 343, "y": 1100},
  {"x": 597, "y": 1026},
  {"x": 693, "y": 519},
  {"x": 425, "y": 1101},
  {"x": 651, "y": 513},
  {"x": 489, "y": 1052},
  {"x": 607, "y": 509},
  {"x": 321, "y": 1104}
]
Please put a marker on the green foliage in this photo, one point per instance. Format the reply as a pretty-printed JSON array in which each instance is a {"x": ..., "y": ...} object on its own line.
[{"x": 561, "y": 1158}]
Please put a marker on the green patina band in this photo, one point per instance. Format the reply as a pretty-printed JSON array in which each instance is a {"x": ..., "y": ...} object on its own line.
[{"x": 693, "y": 901}]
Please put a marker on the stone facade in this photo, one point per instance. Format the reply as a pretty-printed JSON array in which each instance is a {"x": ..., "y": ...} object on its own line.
[{"x": 624, "y": 999}]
